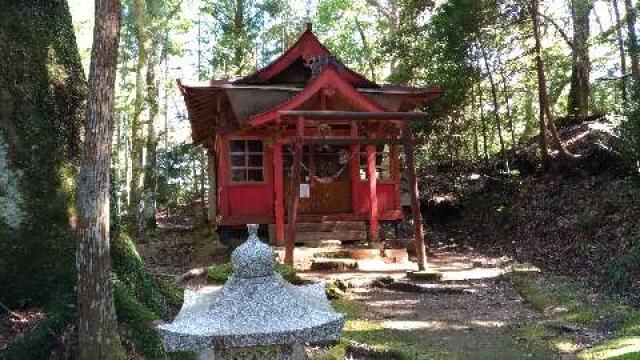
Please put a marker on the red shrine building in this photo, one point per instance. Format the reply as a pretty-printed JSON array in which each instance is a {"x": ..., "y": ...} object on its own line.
[{"x": 307, "y": 140}]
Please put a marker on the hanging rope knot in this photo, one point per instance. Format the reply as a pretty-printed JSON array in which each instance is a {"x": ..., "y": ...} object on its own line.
[{"x": 343, "y": 160}]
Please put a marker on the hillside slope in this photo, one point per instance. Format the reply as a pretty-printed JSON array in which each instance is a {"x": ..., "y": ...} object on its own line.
[{"x": 581, "y": 219}]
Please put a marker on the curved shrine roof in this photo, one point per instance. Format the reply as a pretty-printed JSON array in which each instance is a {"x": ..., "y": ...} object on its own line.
[{"x": 305, "y": 77}]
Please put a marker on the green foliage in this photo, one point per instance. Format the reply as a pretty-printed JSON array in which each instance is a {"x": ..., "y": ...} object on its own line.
[
  {"x": 39, "y": 343},
  {"x": 624, "y": 270},
  {"x": 237, "y": 26},
  {"x": 177, "y": 181},
  {"x": 623, "y": 193},
  {"x": 350, "y": 30},
  {"x": 587, "y": 221},
  {"x": 335, "y": 289},
  {"x": 221, "y": 273}
]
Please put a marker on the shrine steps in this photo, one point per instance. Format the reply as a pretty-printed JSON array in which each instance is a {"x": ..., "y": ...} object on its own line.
[{"x": 327, "y": 233}]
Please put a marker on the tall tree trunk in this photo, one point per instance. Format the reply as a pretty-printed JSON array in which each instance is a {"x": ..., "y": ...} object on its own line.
[
  {"x": 581, "y": 67},
  {"x": 542, "y": 137},
  {"x": 543, "y": 95},
  {"x": 509, "y": 112},
  {"x": 633, "y": 40},
  {"x": 483, "y": 120},
  {"x": 496, "y": 110},
  {"x": 240, "y": 54},
  {"x": 476, "y": 144},
  {"x": 152, "y": 94},
  {"x": 623, "y": 55},
  {"x": 142, "y": 35},
  {"x": 97, "y": 326}
]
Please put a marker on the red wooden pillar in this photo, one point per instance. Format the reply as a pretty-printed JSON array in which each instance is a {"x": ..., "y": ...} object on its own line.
[
  {"x": 295, "y": 192},
  {"x": 373, "y": 193},
  {"x": 413, "y": 196},
  {"x": 279, "y": 193}
]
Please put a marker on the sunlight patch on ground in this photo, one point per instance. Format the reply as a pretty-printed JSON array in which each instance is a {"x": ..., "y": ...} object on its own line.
[
  {"x": 473, "y": 274},
  {"x": 567, "y": 347},
  {"x": 488, "y": 323},
  {"x": 437, "y": 325},
  {"x": 381, "y": 265},
  {"x": 420, "y": 325},
  {"x": 613, "y": 349}
]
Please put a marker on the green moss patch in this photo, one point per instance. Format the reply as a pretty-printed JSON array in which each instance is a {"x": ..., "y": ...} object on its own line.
[
  {"x": 426, "y": 275},
  {"x": 142, "y": 301},
  {"x": 380, "y": 342},
  {"x": 221, "y": 273},
  {"x": 569, "y": 304}
]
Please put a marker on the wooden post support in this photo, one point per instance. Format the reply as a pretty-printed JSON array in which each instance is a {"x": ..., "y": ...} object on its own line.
[
  {"x": 395, "y": 171},
  {"x": 279, "y": 203},
  {"x": 212, "y": 193},
  {"x": 373, "y": 194},
  {"x": 413, "y": 196},
  {"x": 295, "y": 192},
  {"x": 223, "y": 176},
  {"x": 354, "y": 166}
]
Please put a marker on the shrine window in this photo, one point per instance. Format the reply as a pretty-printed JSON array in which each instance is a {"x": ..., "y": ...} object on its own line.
[
  {"x": 383, "y": 163},
  {"x": 247, "y": 160}
]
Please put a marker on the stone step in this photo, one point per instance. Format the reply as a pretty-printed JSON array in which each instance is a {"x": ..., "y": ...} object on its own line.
[
  {"x": 329, "y": 264},
  {"x": 332, "y": 253},
  {"x": 325, "y": 245},
  {"x": 343, "y": 236}
]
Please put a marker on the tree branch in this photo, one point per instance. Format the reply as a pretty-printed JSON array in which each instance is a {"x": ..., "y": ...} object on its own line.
[
  {"x": 12, "y": 313},
  {"x": 558, "y": 28}
]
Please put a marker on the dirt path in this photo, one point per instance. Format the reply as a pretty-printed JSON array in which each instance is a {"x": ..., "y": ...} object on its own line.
[
  {"x": 471, "y": 314},
  {"x": 475, "y": 325}
]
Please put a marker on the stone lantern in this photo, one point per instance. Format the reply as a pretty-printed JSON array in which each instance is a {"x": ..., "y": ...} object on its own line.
[{"x": 255, "y": 315}]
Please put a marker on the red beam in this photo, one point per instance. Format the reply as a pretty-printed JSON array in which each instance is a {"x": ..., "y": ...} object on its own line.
[{"x": 353, "y": 115}]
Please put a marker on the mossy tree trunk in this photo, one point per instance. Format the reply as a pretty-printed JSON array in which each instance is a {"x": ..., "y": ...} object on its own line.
[
  {"x": 97, "y": 326},
  {"x": 42, "y": 91}
]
